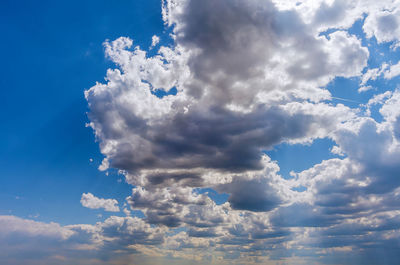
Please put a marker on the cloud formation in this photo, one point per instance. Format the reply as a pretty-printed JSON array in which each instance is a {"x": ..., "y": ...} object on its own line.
[{"x": 248, "y": 76}]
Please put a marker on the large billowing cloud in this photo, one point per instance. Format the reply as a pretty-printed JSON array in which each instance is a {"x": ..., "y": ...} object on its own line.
[
  {"x": 249, "y": 75},
  {"x": 240, "y": 89}
]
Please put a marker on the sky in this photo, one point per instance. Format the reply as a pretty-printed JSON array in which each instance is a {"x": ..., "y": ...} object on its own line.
[{"x": 200, "y": 132}]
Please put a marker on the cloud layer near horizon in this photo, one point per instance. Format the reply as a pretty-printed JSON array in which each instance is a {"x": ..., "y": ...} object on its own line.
[{"x": 249, "y": 75}]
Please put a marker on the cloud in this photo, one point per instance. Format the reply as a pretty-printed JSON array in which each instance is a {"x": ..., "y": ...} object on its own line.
[
  {"x": 26, "y": 241},
  {"x": 252, "y": 195},
  {"x": 258, "y": 191},
  {"x": 393, "y": 71},
  {"x": 154, "y": 40},
  {"x": 33, "y": 242},
  {"x": 249, "y": 76},
  {"x": 88, "y": 200},
  {"x": 384, "y": 25},
  {"x": 125, "y": 231},
  {"x": 11, "y": 226},
  {"x": 225, "y": 112}
]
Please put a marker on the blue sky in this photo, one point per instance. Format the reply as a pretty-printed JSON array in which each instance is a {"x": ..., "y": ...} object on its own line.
[
  {"x": 52, "y": 52},
  {"x": 211, "y": 132}
]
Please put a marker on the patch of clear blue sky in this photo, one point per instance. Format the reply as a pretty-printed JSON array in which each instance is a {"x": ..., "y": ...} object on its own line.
[
  {"x": 51, "y": 52},
  {"x": 299, "y": 157}
]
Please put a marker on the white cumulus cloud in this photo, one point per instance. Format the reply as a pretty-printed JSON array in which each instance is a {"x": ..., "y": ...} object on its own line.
[{"x": 88, "y": 200}]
